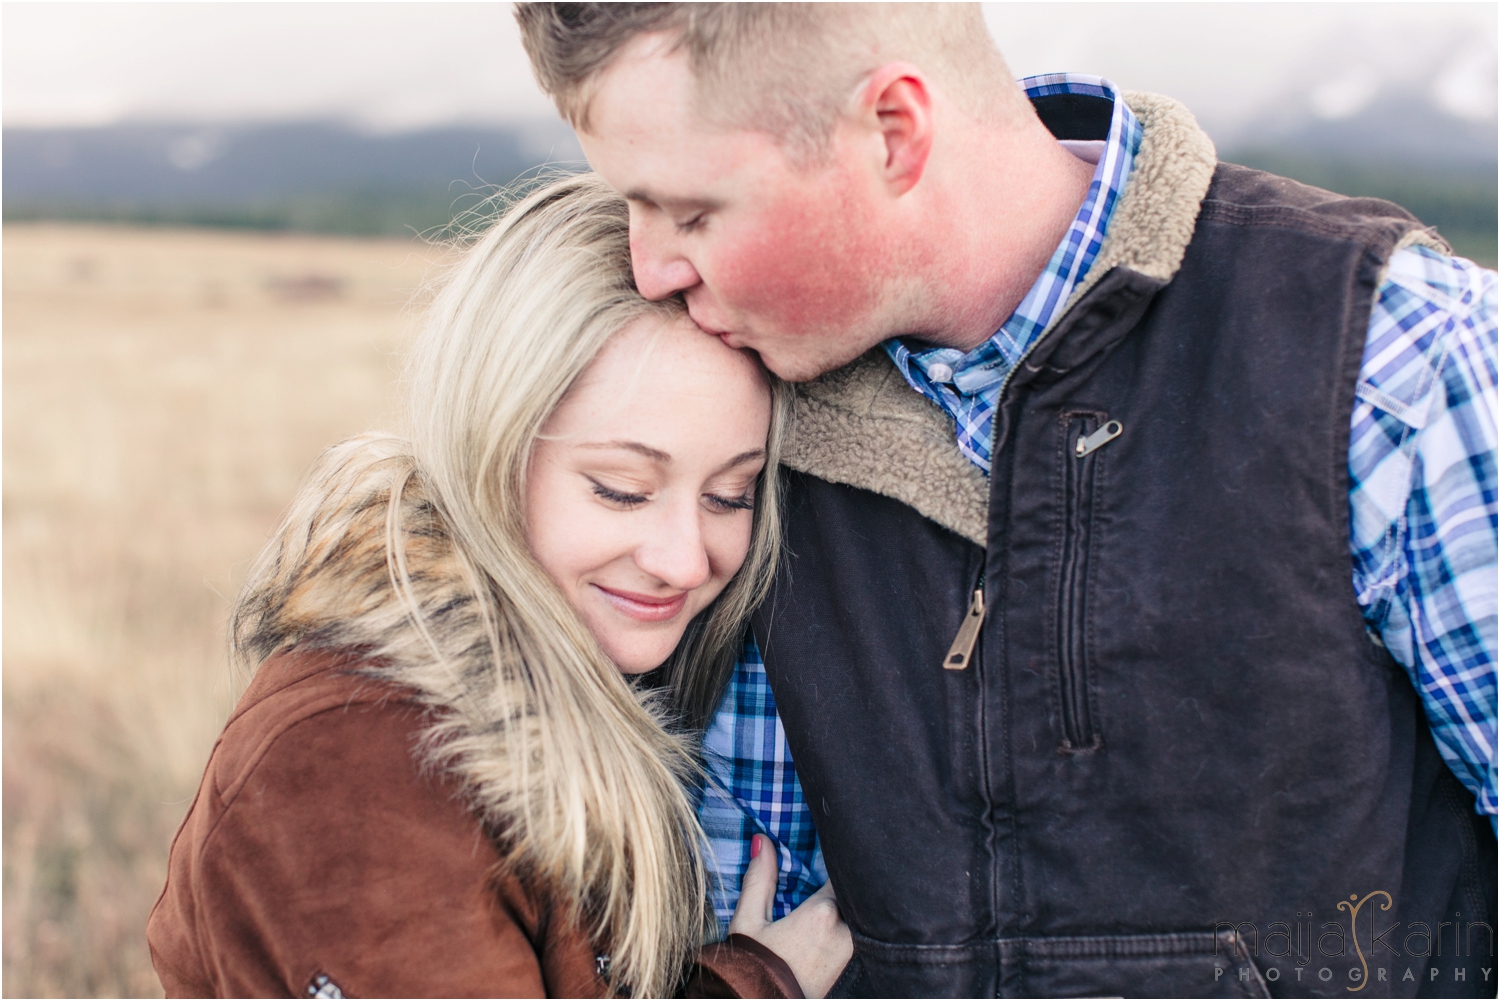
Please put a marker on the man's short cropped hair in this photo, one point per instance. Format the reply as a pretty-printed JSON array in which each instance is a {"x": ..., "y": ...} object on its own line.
[{"x": 787, "y": 69}]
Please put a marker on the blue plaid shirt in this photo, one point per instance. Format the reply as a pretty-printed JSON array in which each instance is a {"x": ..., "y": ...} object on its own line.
[{"x": 1422, "y": 501}]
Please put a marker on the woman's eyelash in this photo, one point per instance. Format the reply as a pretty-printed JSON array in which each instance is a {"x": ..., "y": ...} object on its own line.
[
  {"x": 616, "y": 496},
  {"x": 690, "y": 225},
  {"x": 745, "y": 503}
]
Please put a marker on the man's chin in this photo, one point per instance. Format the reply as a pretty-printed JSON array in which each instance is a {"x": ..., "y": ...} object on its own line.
[
  {"x": 787, "y": 361},
  {"x": 797, "y": 367}
]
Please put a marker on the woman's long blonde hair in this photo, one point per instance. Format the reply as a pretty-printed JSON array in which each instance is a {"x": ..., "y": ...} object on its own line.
[{"x": 581, "y": 777}]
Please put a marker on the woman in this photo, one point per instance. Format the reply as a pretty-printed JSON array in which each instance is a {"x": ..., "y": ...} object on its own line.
[{"x": 463, "y": 766}]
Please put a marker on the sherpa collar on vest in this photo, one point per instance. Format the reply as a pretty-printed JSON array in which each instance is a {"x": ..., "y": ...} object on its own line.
[{"x": 863, "y": 426}]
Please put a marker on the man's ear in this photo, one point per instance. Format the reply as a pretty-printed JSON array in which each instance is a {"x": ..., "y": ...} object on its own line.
[{"x": 896, "y": 101}]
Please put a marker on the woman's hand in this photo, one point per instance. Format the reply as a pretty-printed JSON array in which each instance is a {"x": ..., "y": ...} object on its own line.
[{"x": 813, "y": 939}]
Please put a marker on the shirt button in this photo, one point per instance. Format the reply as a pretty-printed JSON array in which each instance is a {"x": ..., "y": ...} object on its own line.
[{"x": 940, "y": 373}]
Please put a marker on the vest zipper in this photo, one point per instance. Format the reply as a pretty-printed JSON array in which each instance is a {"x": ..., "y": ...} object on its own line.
[
  {"x": 1093, "y": 442},
  {"x": 1084, "y": 434},
  {"x": 968, "y": 631}
]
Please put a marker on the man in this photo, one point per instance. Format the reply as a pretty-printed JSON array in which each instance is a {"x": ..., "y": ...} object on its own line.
[{"x": 1095, "y": 435}]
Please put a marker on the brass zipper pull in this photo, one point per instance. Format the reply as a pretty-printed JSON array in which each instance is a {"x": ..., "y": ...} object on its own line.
[
  {"x": 968, "y": 632},
  {"x": 1099, "y": 438}
]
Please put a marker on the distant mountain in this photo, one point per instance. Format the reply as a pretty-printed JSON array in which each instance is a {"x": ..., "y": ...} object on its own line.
[
  {"x": 307, "y": 175},
  {"x": 1400, "y": 143},
  {"x": 1400, "y": 128},
  {"x": 1413, "y": 90},
  {"x": 1403, "y": 141}
]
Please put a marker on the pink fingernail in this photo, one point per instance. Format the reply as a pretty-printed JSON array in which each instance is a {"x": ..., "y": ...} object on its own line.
[{"x": 754, "y": 845}]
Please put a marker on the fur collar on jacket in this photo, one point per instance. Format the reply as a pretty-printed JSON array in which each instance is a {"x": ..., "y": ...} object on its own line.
[{"x": 334, "y": 590}]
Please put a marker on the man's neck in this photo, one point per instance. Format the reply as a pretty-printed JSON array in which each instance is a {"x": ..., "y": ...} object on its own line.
[{"x": 1006, "y": 200}]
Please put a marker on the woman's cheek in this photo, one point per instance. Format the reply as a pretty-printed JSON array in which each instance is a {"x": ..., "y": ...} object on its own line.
[
  {"x": 562, "y": 524},
  {"x": 586, "y": 535},
  {"x": 728, "y": 544}
]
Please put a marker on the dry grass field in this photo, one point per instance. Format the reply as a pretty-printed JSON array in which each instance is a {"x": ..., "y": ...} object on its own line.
[{"x": 163, "y": 393}]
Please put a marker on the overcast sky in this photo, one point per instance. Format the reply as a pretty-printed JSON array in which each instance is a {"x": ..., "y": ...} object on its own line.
[{"x": 392, "y": 66}]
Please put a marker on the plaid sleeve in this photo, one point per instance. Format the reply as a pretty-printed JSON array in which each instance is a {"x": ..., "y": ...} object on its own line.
[
  {"x": 752, "y": 788},
  {"x": 1422, "y": 497}
]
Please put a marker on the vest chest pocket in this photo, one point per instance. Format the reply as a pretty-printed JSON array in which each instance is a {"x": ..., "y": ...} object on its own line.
[{"x": 1084, "y": 436}]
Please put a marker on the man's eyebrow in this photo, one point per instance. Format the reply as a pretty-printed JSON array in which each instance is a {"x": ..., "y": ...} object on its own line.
[
  {"x": 666, "y": 202},
  {"x": 654, "y": 454}
]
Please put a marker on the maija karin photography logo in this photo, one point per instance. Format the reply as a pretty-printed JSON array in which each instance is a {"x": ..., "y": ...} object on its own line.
[{"x": 1401, "y": 952}]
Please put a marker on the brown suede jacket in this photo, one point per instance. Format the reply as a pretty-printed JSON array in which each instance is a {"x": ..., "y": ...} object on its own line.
[{"x": 318, "y": 860}]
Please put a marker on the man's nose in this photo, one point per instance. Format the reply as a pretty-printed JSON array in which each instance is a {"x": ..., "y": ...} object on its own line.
[
  {"x": 673, "y": 552},
  {"x": 660, "y": 267}
]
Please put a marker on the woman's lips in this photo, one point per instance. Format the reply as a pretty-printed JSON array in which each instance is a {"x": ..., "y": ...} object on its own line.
[{"x": 645, "y": 607}]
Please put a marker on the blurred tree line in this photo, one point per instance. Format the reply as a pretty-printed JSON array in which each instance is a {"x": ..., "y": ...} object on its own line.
[{"x": 1461, "y": 204}]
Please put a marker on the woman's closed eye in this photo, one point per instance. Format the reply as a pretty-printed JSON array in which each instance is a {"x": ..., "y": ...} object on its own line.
[
  {"x": 619, "y": 497},
  {"x": 690, "y": 224},
  {"x": 744, "y": 502}
]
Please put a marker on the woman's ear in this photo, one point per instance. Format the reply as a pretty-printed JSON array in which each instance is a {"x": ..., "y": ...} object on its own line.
[{"x": 897, "y": 102}]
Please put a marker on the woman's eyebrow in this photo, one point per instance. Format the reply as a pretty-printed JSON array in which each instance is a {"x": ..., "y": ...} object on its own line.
[
  {"x": 743, "y": 457},
  {"x": 654, "y": 454},
  {"x": 657, "y": 455}
]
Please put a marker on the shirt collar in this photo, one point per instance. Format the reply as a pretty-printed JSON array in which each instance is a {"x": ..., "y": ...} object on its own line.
[{"x": 942, "y": 371}]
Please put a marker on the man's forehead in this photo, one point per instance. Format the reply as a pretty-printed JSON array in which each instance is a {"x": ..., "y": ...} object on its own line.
[
  {"x": 646, "y": 138},
  {"x": 649, "y": 82}
]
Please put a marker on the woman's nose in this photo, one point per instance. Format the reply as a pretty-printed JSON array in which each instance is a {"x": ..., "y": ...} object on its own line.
[{"x": 674, "y": 552}]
